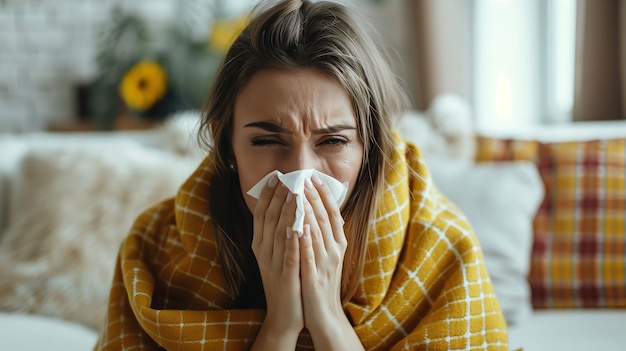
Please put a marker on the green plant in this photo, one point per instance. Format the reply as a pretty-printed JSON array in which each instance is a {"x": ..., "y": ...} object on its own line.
[{"x": 189, "y": 62}]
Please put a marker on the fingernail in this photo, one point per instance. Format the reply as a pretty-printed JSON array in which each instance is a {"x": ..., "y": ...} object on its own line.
[
  {"x": 317, "y": 180},
  {"x": 308, "y": 184},
  {"x": 289, "y": 197},
  {"x": 272, "y": 182},
  {"x": 307, "y": 231},
  {"x": 289, "y": 233}
]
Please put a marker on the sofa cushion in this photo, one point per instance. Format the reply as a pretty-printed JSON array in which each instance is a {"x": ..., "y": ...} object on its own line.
[
  {"x": 490, "y": 149},
  {"x": 578, "y": 257},
  {"x": 72, "y": 206},
  {"x": 500, "y": 201},
  {"x": 580, "y": 236}
]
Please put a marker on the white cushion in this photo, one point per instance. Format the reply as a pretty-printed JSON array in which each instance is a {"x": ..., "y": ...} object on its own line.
[
  {"x": 571, "y": 330},
  {"x": 27, "y": 332},
  {"x": 444, "y": 129},
  {"x": 500, "y": 201}
]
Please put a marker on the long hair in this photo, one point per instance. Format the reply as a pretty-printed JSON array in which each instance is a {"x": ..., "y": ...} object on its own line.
[{"x": 291, "y": 35}]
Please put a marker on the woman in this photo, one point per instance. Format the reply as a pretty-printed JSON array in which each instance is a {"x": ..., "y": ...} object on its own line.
[{"x": 394, "y": 267}]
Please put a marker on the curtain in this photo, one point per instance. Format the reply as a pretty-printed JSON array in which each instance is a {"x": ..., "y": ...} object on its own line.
[
  {"x": 600, "y": 77},
  {"x": 441, "y": 49}
]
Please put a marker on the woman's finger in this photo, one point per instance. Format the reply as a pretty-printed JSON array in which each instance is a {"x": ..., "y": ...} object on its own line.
[
  {"x": 318, "y": 239},
  {"x": 291, "y": 258},
  {"x": 320, "y": 211},
  {"x": 332, "y": 210},
  {"x": 272, "y": 217},
  {"x": 308, "y": 264},
  {"x": 259, "y": 211},
  {"x": 283, "y": 231}
]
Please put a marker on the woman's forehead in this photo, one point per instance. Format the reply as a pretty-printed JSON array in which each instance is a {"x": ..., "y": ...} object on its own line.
[{"x": 294, "y": 97}]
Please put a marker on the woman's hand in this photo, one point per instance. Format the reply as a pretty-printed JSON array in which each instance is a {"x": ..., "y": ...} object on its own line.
[
  {"x": 322, "y": 249},
  {"x": 277, "y": 253}
]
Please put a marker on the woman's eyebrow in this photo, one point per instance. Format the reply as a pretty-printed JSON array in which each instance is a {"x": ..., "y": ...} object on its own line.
[
  {"x": 276, "y": 128},
  {"x": 333, "y": 129},
  {"x": 268, "y": 126}
]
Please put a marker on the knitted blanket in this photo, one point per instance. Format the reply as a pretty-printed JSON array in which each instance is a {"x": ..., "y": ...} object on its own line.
[{"x": 425, "y": 286}]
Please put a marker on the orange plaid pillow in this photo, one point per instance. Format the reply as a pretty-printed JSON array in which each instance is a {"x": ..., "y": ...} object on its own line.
[
  {"x": 493, "y": 149},
  {"x": 578, "y": 257}
]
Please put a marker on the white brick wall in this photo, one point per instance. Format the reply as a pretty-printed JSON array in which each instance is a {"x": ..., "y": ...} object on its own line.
[
  {"x": 47, "y": 48},
  {"x": 41, "y": 57}
]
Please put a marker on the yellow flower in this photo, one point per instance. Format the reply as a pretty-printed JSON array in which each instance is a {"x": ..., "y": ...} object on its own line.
[
  {"x": 143, "y": 85},
  {"x": 224, "y": 32}
]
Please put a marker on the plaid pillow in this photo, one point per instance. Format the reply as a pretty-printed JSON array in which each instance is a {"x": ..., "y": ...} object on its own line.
[
  {"x": 578, "y": 257},
  {"x": 492, "y": 149}
]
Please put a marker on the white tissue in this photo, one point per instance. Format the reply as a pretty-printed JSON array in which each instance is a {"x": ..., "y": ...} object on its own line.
[{"x": 294, "y": 181}]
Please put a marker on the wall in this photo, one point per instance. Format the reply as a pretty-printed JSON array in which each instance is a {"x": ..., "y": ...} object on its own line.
[{"x": 47, "y": 49}]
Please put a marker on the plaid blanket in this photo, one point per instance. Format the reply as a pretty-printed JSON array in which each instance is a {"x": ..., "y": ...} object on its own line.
[{"x": 425, "y": 286}]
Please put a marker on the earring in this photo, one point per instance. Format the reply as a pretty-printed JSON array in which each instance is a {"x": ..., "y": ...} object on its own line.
[{"x": 231, "y": 166}]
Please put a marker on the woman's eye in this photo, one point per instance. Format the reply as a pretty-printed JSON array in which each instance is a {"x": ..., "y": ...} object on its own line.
[
  {"x": 335, "y": 141},
  {"x": 264, "y": 142}
]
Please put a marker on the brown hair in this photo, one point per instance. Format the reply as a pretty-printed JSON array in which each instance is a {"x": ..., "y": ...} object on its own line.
[{"x": 296, "y": 34}]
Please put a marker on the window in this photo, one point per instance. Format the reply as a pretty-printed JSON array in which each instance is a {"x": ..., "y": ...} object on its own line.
[{"x": 523, "y": 62}]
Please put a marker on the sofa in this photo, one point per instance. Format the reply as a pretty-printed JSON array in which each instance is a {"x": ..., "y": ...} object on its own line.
[{"x": 68, "y": 199}]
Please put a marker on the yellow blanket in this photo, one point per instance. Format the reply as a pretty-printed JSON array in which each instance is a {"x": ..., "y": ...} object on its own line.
[{"x": 425, "y": 286}]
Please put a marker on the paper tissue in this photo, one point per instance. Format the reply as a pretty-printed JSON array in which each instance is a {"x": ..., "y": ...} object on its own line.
[{"x": 294, "y": 181}]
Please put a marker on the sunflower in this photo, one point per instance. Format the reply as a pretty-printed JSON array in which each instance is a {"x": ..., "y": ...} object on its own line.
[{"x": 143, "y": 85}]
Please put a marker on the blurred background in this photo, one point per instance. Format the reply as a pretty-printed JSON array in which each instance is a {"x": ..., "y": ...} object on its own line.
[{"x": 112, "y": 64}]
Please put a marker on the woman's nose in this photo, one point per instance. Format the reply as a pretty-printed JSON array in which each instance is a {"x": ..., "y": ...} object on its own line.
[{"x": 299, "y": 158}]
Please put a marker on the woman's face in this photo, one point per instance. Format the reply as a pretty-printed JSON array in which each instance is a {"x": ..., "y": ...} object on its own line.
[{"x": 291, "y": 120}]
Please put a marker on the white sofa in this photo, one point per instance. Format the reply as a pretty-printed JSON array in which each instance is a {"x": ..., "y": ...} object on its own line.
[{"x": 95, "y": 172}]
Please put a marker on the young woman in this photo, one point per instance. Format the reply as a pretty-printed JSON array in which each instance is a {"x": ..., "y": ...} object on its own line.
[{"x": 395, "y": 267}]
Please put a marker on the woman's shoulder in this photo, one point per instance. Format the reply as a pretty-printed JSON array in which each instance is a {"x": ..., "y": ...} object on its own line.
[
  {"x": 430, "y": 206},
  {"x": 152, "y": 226}
]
